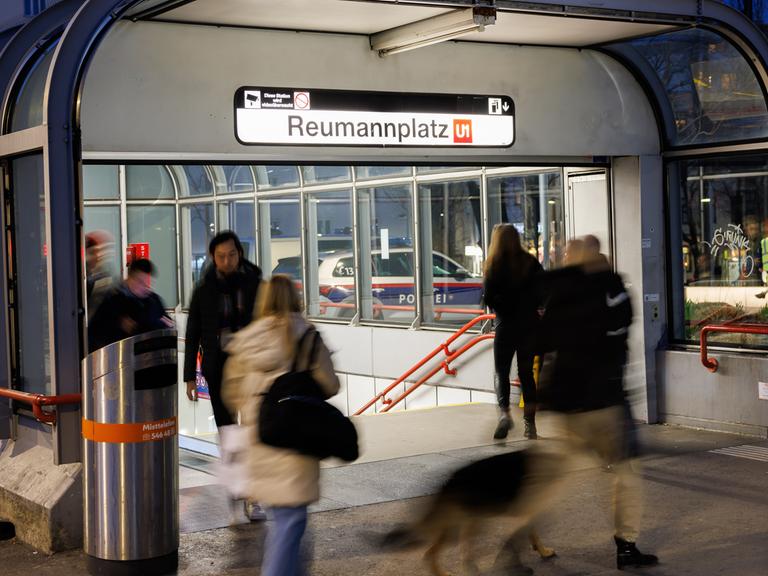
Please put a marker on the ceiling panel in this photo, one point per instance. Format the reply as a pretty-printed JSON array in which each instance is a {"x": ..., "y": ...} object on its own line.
[
  {"x": 370, "y": 17},
  {"x": 325, "y": 15}
]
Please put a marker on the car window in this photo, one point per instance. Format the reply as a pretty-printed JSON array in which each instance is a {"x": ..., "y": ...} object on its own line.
[
  {"x": 398, "y": 264},
  {"x": 345, "y": 268},
  {"x": 441, "y": 266}
]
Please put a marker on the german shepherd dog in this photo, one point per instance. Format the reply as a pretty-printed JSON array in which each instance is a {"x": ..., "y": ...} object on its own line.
[{"x": 488, "y": 488}]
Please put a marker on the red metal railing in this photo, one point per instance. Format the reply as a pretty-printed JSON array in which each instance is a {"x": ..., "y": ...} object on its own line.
[
  {"x": 37, "y": 401},
  {"x": 444, "y": 365},
  {"x": 712, "y": 364}
]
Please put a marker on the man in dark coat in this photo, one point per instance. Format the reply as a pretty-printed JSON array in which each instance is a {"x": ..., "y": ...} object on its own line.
[
  {"x": 222, "y": 304},
  {"x": 128, "y": 309},
  {"x": 584, "y": 330}
]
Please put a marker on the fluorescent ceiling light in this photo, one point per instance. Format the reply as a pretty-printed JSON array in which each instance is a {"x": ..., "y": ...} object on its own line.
[{"x": 432, "y": 30}]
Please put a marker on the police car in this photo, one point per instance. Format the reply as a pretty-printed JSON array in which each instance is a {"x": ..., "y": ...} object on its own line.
[{"x": 392, "y": 283}]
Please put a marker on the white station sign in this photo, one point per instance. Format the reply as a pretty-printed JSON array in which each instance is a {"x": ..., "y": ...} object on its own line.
[{"x": 328, "y": 117}]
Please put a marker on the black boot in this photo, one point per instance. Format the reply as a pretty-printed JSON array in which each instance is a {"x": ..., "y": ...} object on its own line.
[
  {"x": 530, "y": 428},
  {"x": 627, "y": 554},
  {"x": 503, "y": 427}
]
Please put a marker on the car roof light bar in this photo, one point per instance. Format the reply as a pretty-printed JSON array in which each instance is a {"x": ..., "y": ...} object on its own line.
[{"x": 432, "y": 30}]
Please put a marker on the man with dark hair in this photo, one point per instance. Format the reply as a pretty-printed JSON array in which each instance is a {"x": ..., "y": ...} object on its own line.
[
  {"x": 128, "y": 309},
  {"x": 222, "y": 303}
]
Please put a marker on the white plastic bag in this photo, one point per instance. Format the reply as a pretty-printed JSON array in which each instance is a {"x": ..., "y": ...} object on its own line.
[{"x": 233, "y": 469}]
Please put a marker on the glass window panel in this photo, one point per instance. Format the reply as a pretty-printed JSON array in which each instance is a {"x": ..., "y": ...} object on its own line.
[
  {"x": 238, "y": 216},
  {"x": 270, "y": 177},
  {"x": 723, "y": 224},
  {"x": 194, "y": 181},
  {"x": 148, "y": 183},
  {"x": 429, "y": 169},
  {"x": 197, "y": 230},
  {"x": 30, "y": 254},
  {"x": 713, "y": 91},
  {"x": 279, "y": 237},
  {"x": 238, "y": 179},
  {"x": 385, "y": 217},
  {"x": 372, "y": 172},
  {"x": 105, "y": 221},
  {"x": 28, "y": 108},
  {"x": 330, "y": 242},
  {"x": 100, "y": 182},
  {"x": 451, "y": 243},
  {"x": 325, "y": 174},
  {"x": 522, "y": 200},
  {"x": 156, "y": 226}
]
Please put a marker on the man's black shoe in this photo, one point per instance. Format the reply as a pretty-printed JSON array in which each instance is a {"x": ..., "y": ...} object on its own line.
[{"x": 627, "y": 554}]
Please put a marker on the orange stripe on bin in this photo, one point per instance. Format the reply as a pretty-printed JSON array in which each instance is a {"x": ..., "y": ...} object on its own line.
[{"x": 133, "y": 432}]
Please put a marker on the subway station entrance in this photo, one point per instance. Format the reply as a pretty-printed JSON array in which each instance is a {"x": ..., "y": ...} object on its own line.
[{"x": 367, "y": 149}]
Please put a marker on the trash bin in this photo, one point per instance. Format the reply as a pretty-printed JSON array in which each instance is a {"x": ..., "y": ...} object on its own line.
[{"x": 130, "y": 456}]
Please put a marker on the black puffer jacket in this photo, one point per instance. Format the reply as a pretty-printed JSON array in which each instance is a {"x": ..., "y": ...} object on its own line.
[
  {"x": 219, "y": 305},
  {"x": 584, "y": 333}
]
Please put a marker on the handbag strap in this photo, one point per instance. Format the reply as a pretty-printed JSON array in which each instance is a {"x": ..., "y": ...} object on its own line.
[{"x": 300, "y": 345}]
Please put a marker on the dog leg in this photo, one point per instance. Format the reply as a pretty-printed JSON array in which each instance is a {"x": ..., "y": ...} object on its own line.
[
  {"x": 508, "y": 560},
  {"x": 467, "y": 549},
  {"x": 432, "y": 553},
  {"x": 543, "y": 551}
]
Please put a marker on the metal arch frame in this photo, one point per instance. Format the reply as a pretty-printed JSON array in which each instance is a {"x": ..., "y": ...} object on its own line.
[
  {"x": 63, "y": 196},
  {"x": 24, "y": 46},
  {"x": 15, "y": 55},
  {"x": 651, "y": 85}
]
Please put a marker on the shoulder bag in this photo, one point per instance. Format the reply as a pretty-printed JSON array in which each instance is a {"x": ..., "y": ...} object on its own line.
[{"x": 295, "y": 415}]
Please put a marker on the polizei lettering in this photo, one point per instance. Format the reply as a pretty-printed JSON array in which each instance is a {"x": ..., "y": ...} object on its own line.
[{"x": 298, "y": 127}]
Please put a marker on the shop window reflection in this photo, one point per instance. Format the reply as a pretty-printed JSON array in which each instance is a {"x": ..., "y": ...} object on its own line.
[{"x": 724, "y": 253}]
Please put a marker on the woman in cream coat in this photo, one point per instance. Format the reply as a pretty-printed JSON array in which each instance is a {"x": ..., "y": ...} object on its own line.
[{"x": 283, "y": 480}]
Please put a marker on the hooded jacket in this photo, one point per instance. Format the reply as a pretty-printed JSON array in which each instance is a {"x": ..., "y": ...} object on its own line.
[{"x": 278, "y": 477}]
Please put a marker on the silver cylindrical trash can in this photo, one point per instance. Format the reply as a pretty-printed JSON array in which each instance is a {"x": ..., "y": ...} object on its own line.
[{"x": 130, "y": 456}]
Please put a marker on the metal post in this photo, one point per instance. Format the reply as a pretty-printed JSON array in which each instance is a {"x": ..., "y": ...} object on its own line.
[{"x": 63, "y": 197}]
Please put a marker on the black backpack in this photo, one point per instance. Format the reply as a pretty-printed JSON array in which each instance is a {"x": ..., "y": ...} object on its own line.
[{"x": 295, "y": 415}]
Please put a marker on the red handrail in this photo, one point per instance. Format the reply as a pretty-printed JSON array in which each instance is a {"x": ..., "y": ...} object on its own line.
[
  {"x": 712, "y": 364},
  {"x": 37, "y": 401},
  {"x": 442, "y": 366},
  {"x": 444, "y": 347}
]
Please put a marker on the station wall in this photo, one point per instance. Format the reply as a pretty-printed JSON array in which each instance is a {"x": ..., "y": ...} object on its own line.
[{"x": 167, "y": 90}]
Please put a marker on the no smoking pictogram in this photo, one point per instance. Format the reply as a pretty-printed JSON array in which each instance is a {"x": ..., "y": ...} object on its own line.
[{"x": 301, "y": 100}]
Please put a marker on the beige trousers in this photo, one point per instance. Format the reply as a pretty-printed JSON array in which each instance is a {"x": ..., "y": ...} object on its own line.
[{"x": 601, "y": 433}]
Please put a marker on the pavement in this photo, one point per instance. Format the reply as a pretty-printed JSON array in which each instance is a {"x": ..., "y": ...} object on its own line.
[{"x": 706, "y": 506}]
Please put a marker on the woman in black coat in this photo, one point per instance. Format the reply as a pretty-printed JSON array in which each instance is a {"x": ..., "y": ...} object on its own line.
[{"x": 510, "y": 294}]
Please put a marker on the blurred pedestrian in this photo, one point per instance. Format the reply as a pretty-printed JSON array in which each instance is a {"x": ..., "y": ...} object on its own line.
[
  {"x": 99, "y": 248},
  {"x": 281, "y": 479},
  {"x": 222, "y": 303},
  {"x": 619, "y": 318},
  {"x": 580, "y": 384},
  {"x": 130, "y": 308},
  {"x": 509, "y": 293}
]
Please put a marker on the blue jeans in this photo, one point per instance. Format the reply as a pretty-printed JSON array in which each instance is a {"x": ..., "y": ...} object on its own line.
[{"x": 282, "y": 551}]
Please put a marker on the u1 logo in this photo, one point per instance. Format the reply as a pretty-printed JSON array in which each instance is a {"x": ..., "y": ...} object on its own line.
[{"x": 462, "y": 131}]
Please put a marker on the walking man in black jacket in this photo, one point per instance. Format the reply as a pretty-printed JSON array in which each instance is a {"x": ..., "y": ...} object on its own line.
[{"x": 222, "y": 303}]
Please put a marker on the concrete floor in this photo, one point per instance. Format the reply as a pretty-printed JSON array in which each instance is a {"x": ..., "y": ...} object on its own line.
[{"x": 706, "y": 512}]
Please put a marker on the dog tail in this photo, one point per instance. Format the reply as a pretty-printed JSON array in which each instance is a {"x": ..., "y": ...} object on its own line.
[{"x": 401, "y": 538}]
